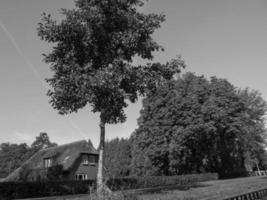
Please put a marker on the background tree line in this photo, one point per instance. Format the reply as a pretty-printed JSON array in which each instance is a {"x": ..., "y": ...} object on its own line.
[{"x": 12, "y": 156}]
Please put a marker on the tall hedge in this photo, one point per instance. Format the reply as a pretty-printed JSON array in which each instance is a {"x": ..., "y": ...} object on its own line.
[
  {"x": 15, "y": 190},
  {"x": 159, "y": 181}
]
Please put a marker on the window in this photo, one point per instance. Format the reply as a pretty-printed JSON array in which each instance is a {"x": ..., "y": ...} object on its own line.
[
  {"x": 88, "y": 159},
  {"x": 47, "y": 162},
  {"x": 80, "y": 177},
  {"x": 92, "y": 160},
  {"x": 85, "y": 160}
]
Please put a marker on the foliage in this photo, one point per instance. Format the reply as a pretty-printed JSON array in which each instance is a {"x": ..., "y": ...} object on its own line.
[
  {"x": 255, "y": 134},
  {"x": 117, "y": 157},
  {"x": 55, "y": 173},
  {"x": 42, "y": 142},
  {"x": 12, "y": 156},
  {"x": 91, "y": 59},
  {"x": 158, "y": 181},
  {"x": 15, "y": 190},
  {"x": 25, "y": 174},
  {"x": 197, "y": 125}
]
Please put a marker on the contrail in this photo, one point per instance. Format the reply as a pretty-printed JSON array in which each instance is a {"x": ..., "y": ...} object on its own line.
[
  {"x": 29, "y": 64},
  {"x": 34, "y": 71},
  {"x": 77, "y": 128}
]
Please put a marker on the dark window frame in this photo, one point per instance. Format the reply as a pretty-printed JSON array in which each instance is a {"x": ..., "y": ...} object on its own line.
[{"x": 94, "y": 161}]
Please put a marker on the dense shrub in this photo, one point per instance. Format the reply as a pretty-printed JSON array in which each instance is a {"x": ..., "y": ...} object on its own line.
[
  {"x": 235, "y": 174},
  {"x": 13, "y": 190},
  {"x": 158, "y": 181}
]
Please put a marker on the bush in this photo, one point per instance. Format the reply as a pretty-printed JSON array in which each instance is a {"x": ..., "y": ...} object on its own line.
[
  {"x": 14, "y": 190},
  {"x": 158, "y": 181},
  {"x": 235, "y": 174}
]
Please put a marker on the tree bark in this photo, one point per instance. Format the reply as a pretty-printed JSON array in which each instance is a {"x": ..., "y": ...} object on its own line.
[{"x": 100, "y": 185}]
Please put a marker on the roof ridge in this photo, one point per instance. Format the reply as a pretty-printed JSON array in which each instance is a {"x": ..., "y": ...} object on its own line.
[{"x": 62, "y": 145}]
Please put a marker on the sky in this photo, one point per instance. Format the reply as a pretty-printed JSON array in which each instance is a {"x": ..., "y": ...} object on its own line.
[{"x": 227, "y": 39}]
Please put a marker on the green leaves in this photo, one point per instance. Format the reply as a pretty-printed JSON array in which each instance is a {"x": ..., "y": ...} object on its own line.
[
  {"x": 193, "y": 125},
  {"x": 91, "y": 59},
  {"x": 117, "y": 157}
]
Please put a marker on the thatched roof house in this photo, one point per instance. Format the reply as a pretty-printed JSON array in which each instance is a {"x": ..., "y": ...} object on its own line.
[{"x": 77, "y": 160}]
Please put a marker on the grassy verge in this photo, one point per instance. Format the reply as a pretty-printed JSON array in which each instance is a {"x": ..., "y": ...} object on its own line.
[{"x": 211, "y": 190}]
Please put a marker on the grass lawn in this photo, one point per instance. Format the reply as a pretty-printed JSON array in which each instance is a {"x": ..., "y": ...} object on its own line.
[{"x": 212, "y": 190}]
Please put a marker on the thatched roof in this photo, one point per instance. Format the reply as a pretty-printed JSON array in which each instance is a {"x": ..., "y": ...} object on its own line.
[{"x": 64, "y": 155}]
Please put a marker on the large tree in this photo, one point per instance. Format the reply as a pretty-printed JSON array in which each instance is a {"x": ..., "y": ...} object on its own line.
[
  {"x": 169, "y": 125},
  {"x": 193, "y": 124},
  {"x": 91, "y": 59}
]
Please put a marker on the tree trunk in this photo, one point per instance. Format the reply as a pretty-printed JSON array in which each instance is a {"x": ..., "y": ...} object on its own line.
[{"x": 100, "y": 185}]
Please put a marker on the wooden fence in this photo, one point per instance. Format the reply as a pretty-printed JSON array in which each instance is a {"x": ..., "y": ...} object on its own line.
[{"x": 256, "y": 195}]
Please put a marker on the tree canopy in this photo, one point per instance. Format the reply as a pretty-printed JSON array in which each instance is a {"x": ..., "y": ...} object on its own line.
[
  {"x": 92, "y": 56},
  {"x": 193, "y": 125},
  {"x": 12, "y": 156},
  {"x": 42, "y": 142}
]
